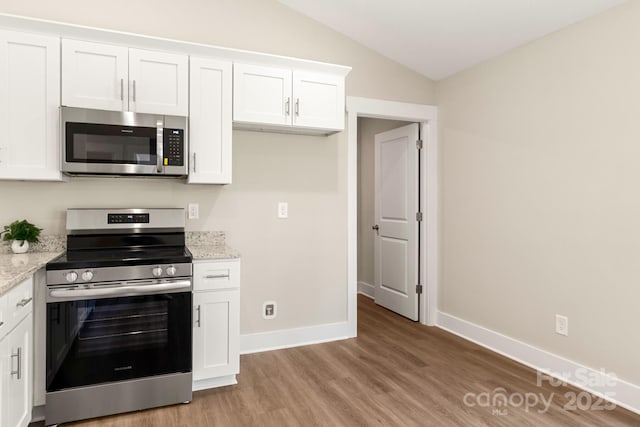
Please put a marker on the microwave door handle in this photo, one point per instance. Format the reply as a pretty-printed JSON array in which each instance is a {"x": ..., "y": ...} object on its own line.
[{"x": 159, "y": 146}]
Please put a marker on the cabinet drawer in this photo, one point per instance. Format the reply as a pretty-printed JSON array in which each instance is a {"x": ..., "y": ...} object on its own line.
[
  {"x": 210, "y": 275},
  {"x": 18, "y": 303}
]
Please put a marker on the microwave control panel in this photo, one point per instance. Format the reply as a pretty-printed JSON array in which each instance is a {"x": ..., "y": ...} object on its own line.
[{"x": 173, "y": 147}]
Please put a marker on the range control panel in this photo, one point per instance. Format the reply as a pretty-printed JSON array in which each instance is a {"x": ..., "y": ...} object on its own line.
[{"x": 126, "y": 218}]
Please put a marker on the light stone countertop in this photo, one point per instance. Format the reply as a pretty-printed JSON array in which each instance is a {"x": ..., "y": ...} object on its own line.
[
  {"x": 14, "y": 268},
  {"x": 201, "y": 252}
]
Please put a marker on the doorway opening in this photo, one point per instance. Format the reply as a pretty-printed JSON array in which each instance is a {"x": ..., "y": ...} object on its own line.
[{"x": 388, "y": 115}]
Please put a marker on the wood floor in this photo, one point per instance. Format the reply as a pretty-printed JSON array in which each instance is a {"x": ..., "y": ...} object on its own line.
[{"x": 396, "y": 373}]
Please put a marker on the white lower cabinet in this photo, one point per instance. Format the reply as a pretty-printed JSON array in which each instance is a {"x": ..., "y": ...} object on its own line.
[
  {"x": 16, "y": 353},
  {"x": 216, "y": 329}
]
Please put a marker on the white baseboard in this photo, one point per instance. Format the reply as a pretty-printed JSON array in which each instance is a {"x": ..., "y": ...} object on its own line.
[
  {"x": 214, "y": 382},
  {"x": 367, "y": 290},
  {"x": 599, "y": 383},
  {"x": 286, "y": 338}
]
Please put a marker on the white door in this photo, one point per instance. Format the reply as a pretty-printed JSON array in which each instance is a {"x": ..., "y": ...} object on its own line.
[
  {"x": 159, "y": 82},
  {"x": 318, "y": 100},
  {"x": 396, "y": 206},
  {"x": 94, "y": 75},
  {"x": 262, "y": 94},
  {"x": 210, "y": 132}
]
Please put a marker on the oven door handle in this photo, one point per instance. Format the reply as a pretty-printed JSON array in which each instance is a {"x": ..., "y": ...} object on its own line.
[{"x": 121, "y": 290}]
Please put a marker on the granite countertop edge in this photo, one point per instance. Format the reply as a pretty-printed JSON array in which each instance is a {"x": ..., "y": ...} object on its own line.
[
  {"x": 14, "y": 268},
  {"x": 205, "y": 252}
]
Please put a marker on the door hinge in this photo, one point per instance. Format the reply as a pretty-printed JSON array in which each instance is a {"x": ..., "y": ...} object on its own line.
[
  {"x": 419, "y": 216},
  {"x": 419, "y": 289},
  {"x": 419, "y": 144}
]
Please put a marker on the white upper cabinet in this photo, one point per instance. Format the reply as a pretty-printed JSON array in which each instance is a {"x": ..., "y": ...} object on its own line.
[
  {"x": 29, "y": 101},
  {"x": 261, "y": 94},
  {"x": 159, "y": 82},
  {"x": 108, "y": 77},
  {"x": 280, "y": 98},
  {"x": 319, "y": 100},
  {"x": 210, "y": 126},
  {"x": 94, "y": 76}
]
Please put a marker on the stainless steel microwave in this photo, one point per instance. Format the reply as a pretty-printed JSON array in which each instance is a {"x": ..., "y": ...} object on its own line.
[{"x": 97, "y": 142}]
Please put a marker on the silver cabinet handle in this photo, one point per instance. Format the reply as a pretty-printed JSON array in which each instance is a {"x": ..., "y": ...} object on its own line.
[
  {"x": 134, "y": 91},
  {"x": 297, "y": 106},
  {"x": 194, "y": 162},
  {"x": 23, "y": 302},
  {"x": 17, "y": 372},
  {"x": 217, "y": 276},
  {"x": 287, "y": 106},
  {"x": 198, "y": 320},
  {"x": 121, "y": 89}
]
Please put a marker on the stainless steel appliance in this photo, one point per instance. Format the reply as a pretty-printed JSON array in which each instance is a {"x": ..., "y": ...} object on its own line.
[
  {"x": 101, "y": 142},
  {"x": 119, "y": 314}
]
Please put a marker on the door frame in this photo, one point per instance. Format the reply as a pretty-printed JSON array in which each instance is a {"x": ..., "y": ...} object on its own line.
[{"x": 427, "y": 116}]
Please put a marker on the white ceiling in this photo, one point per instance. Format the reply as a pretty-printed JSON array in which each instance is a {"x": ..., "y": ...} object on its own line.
[{"x": 438, "y": 38}]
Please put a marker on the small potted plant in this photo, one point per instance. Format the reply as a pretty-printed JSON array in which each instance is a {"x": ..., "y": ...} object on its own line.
[{"x": 22, "y": 233}]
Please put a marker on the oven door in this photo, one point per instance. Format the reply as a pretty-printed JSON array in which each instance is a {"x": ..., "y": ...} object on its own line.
[{"x": 115, "y": 333}]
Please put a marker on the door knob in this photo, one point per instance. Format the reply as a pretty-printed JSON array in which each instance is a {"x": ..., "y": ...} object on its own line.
[{"x": 377, "y": 228}]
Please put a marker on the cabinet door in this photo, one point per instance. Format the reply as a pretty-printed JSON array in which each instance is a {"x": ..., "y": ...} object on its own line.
[
  {"x": 210, "y": 121},
  {"x": 94, "y": 75},
  {"x": 216, "y": 334},
  {"x": 16, "y": 375},
  {"x": 29, "y": 101},
  {"x": 318, "y": 100},
  {"x": 261, "y": 94},
  {"x": 158, "y": 82}
]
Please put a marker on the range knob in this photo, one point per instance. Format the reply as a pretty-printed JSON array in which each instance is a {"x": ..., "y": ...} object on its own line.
[
  {"x": 157, "y": 271},
  {"x": 87, "y": 276},
  {"x": 71, "y": 276},
  {"x": 171, "y": 271}
]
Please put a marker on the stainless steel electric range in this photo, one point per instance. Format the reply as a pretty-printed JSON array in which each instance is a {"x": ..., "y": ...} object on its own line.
[{"x": 118, "y": 318}]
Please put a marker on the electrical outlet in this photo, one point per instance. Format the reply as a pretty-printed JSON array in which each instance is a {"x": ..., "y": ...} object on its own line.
[
  {"x": 562, "y": 325},
  {"x": 283, "y": 210},
  {"x": 269, "y": 310},
  {"x": 193, "y": 211}
]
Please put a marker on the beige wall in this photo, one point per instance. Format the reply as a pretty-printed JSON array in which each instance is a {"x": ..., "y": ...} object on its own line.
[
  {"x": 541, "y": 192},
  {"x": 300, "y": 262},
  {"x": 367, "y": 129}
]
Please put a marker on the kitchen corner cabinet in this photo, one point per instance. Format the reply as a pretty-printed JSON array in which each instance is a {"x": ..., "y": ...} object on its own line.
[
  {"x": 16, "y": 354},
  {"x": 117, "y": 78},
  {"x": 216, "y": 330},
  {"x": 29, "y": 101},
  {"x": 282, "y": 99},
  {"x": 210, "y": 123}
]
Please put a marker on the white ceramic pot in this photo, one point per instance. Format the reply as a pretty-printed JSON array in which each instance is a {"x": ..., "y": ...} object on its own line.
[{"x": 19, "y": 246}]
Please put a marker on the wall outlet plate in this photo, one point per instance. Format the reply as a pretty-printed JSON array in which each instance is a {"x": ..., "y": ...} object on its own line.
[
  {"x": 283, "y": 210},
  {"x": 269, "y": 310},
  {"x": 562, "y": 325},
  {"x": 193, "y": 211}
]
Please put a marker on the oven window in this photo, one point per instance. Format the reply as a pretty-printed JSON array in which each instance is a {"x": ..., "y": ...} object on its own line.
[
  {"x": 114, "y": 339},
  {"x": 91, "y": 143}
]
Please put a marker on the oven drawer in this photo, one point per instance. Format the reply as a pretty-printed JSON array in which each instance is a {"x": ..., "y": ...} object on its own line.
[
  {"x": 211, "y": 275},
  {"x": 15, "y": 305}
]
